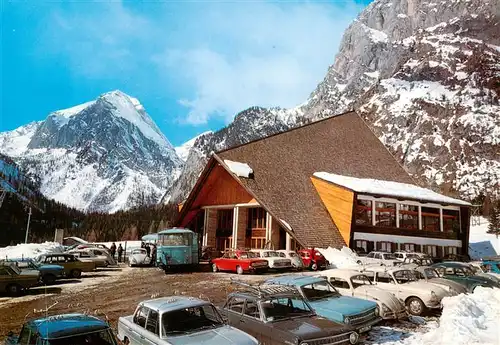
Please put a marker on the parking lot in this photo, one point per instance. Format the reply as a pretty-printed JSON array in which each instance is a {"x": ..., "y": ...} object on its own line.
[{"x": 115, "y": 292}]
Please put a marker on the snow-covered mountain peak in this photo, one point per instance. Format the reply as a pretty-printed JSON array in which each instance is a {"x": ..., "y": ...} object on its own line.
[
  {"x": 103, "y": 155},
  {"x": 183, "y": 150}
]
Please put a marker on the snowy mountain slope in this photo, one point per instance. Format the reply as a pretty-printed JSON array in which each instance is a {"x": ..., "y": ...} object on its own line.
[
  {"x": 105, "y": 155},
  {"x": 424, "y": 75},
  {"x": 183, "y": 150}
]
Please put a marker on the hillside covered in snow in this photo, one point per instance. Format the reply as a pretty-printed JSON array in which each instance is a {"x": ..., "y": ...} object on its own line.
[
  {"x": 425, "y": 75},
  {"x": 104, "y": 155}
]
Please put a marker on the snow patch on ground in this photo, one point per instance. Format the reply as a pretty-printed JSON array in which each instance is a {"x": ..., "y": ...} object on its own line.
[
  {"x": 482, "y": 244},
  {"x": 30, "y": 250},
  {"x": 238, "y": 168}
]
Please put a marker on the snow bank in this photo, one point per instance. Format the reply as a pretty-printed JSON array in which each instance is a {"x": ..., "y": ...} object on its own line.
[
  {"x": 389, "y": 188},
  {"x": 482, "y": 244},
  {"x": 239, "y": 169},
  {"x": 466, "y": 320},
  {"x": 30, "y": 250},
  {"x": 344, "y": 258}
]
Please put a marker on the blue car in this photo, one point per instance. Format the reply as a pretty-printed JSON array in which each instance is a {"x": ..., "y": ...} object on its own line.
[
  {"x": 64, "y": 330},
  {"x": 329, "y": 303},
  {"x": 48, "y": 273}
]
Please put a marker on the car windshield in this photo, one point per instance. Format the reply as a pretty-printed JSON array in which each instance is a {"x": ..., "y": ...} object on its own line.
[
  {"x": 282, "y": 255},
  {"x": 190, "y": 320},
  {"x": 104, "y": 337},
  {"x": 319, "y": 290},
  {"x": 139, "y": 251},
  {"x": 248, "y": 255},
  {"x": 404, "y": 276},
  {"x": 360, "y": 280},
  {"x": 431, "y": 273},
  {"x": 293, "y": 254},
  {"x": 284, "y": 308},
  {"x": 270, "y": 254}
]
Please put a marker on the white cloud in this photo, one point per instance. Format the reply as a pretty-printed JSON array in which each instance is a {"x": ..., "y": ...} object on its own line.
[{"x": 220, "y": 57}]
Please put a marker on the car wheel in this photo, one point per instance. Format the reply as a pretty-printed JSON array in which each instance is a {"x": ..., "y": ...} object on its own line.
[
  {"x": 14, "y": 289},
  {"x": 239, "y": 270},
  {"x": 314, "y": 267},
  {"x": 76, "y": 273},
  {"x": 415, "y": 306},
  {"x": 49, "y": 279},
  {"x": 215, "y": 269}
]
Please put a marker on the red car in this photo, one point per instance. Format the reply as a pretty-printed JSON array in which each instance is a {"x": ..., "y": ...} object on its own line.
[
  {"x": 239, "y": 261},
  {"x": 312, "y": 259}
]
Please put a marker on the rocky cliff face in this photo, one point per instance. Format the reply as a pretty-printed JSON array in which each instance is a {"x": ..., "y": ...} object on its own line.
[
  {"x": 425, "y": 75},
  {"x": 105, "y": 155}
]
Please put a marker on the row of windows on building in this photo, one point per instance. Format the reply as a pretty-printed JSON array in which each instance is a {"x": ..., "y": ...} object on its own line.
[
  {"x": 393, "y": 215},
  {"x": 391, "y": 247}
]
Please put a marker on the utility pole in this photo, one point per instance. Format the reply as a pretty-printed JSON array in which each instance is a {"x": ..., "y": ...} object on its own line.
[{"x": 28, "y": 226}]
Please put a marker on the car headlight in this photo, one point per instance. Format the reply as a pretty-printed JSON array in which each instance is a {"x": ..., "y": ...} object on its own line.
[
  {"x": 434, "y": 297},
  {"x": 385, "y": 309},
  {"x": 353, "y": 338},
  {"x": 347, "y": 320},
  {"x": 377, "y": 311}
]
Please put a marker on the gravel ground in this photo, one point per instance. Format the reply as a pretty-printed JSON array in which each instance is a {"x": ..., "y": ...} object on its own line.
[{"x": 116, "y": 292}]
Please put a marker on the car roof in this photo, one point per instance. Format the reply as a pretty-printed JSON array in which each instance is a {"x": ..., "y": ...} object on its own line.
[
  {"x": 455, "y": 264},
  {"x": 175, "y": 231},
  {"x": 61, "y": 326},
  {"x": 341, "y": 272},
  {"x": 295, "y": 280},
  {"x": 166, "y": 304}
]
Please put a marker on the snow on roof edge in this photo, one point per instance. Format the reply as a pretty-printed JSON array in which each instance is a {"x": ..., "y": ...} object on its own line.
[
  {"x": 388, "y": 188},
  {"x": 238, "y": 168}
]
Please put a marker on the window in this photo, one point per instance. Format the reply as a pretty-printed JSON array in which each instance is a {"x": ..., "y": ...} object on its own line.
[
  {"x": 404, "y": 276},
  {"x": 283, "y": 308},
  {"x": 294, "y": 245},
  {"x": 383, "y": 277},
  {"x": 236, "y": 305},
  {"x": 225, "y": 220},
  {"x": 152, "y": 323},
  {"x": 339, "y": 283},
  {"x": 450, "y": 250},
  {"x": 187, "y": 320},
  {"x": 360, "y": 280},
  {"x": 24, "y": 336},
  {"x": 319, "y": 290},
  {"x": 175, "y": 239},
  {"x": 430, "y": 250},
  {"x": 140, "y": 316},
  {"x": 104, "y": 337},
  {"x": 451, "y": 220},
  {"x": 410, "y": 247},
  {"x": 361, "y": 245},
  {"x": 363, "y": 212},
  {"x": 256, "y": 218},
  {"x": 252, "y": 309},
  {"x": 385, "y": 214},
  {"x": 408, "y": 217},
  {"x": 384, "y": 246},
  {"x": 371, "y": 255},
  {"x": 430, "y": 219}
]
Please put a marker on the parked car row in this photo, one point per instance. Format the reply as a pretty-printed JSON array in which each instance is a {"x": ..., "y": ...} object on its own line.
[{"x": 262, "y": 260}]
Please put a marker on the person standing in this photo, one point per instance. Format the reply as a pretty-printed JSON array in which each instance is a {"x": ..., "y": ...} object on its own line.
[
  {"x": 148, "y": 249},
  {"x": 112, "y": 250},
  {"x": 120, "y": 251}
]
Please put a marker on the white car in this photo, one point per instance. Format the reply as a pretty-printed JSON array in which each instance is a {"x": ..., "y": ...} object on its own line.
[
  {"x": 401, "y": 256},
  {"x": 418, "y": 296},
  {"x": 293, "y": 256},
  {"x": 380, "y": 258},
  {"x": 88, "y": 255},
  {"x": 274, "y": 260},
  {"x": 356, "y": 284},
  {"x": 139, "y": 257}
]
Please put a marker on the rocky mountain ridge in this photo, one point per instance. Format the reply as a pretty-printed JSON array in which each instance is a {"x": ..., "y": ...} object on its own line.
[{"x": 425, "y": 77}]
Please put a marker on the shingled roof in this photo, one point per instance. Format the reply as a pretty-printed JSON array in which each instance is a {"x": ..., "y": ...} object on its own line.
[{"x": 283, "y": 165}]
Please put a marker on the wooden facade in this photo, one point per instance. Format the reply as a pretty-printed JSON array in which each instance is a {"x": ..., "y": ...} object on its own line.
[{"x": 339, "y": 203}]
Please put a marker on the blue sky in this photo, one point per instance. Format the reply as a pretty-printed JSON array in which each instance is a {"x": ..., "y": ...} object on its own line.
[{"x": 192, "y": 64}]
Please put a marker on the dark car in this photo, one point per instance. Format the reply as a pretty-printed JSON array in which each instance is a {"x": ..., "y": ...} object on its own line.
[
  {"x": 460, "y": 272},
  {"x": 276, "y": 314},
  {"x": 64, "y": 329}
]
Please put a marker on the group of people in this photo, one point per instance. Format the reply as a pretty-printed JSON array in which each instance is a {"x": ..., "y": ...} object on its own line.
[{"x": 150, "y": 250}]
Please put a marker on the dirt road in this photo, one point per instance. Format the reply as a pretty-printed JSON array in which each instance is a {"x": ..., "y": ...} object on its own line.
[{"x": 113, "y": 292}]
